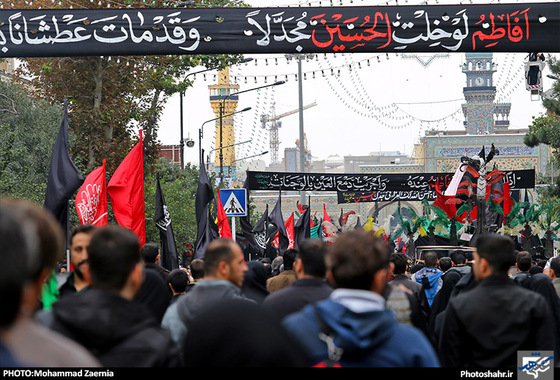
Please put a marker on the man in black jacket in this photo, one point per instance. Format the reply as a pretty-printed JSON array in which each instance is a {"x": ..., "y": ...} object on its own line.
[
  {"x": 486, "y": 326},
  {"x": 105, "y": 319},
  {"x": 311, "y": 284}
]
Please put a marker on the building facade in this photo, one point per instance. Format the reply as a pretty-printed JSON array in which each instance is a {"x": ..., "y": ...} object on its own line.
[{"x": 171, "y": 152}]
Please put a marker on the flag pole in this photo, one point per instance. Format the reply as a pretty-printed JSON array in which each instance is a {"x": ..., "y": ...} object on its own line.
[{"x": 67, "y": 241}]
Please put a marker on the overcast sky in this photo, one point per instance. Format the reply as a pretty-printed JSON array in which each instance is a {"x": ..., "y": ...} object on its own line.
[{"x": 370, "y": 102}]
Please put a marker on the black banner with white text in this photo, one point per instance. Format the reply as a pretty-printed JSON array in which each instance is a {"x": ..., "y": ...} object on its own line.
[
  {"x": 522, "y": 27},
  {"x": 353, "y": 188}
]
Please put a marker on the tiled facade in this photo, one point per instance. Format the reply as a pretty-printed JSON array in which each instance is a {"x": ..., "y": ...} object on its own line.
[{"x": 442, "y": 153}]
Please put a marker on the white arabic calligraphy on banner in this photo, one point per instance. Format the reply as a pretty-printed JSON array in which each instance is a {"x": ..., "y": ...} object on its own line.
[
  {"x": 264, "y": 30},
  {"x": 366, "y": 183},
  {"x": 69, "y": 29}
]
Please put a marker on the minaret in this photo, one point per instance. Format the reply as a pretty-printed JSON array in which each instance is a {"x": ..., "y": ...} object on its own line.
[
  {"x": 225, "y": 139},
  {"x": 479, "y": 93}
]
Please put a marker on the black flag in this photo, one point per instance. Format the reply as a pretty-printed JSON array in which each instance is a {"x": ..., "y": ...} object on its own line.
[
  {"x": 167, "y": 240},
  {"x": 277, "y": 220},
  {"x": 253, "y": 248},
  {"x": 204, "y": 197},
  {"x": 302, "y": 228},
  {"x": 64, "y": 177},
  {"x": 358, "y": 225},
  {"x": 260, "y": 232}
]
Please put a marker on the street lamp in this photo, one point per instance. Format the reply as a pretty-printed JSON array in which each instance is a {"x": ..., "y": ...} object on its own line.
[
  {"x": 181, "y": 94},
  {"x": 201, "y": 159},
  {"x": 221, "y": 156},
  {"x": 223, "y": 147},
  {"x": 301, "y": 134},
  {"x": 255, "y": 155}
]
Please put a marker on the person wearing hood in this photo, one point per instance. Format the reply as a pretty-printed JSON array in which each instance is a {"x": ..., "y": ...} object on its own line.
[
  {"x": 429, "y": 276},
  {"x": 118, "y": 330},
  {"x": 353, "y": 327},
  {"x": 254, "y": 282}
]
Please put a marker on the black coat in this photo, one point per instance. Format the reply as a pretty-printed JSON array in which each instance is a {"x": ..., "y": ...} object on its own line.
[
  {"x": 486, "y": 326},
  {"x": 118, "y": 332},
  {"x": 300, "y": 293}
]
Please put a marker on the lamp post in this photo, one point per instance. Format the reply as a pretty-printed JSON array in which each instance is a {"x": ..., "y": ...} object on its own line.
[
  {"x": 201, "y": 159},
  {"x": 181, "y": 94},
  {"x": 299, "y": 57},
  {"x": 221, "y": 154},
  {"x": 223, "y": 147},
  {"x": 255, "y": 155}
]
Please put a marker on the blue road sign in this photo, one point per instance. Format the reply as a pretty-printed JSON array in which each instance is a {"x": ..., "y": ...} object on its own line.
[{"x": 234, "y": 201}]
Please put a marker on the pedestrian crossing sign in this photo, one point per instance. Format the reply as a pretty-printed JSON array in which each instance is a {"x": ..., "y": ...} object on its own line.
[{"x": 234, "y": 201}]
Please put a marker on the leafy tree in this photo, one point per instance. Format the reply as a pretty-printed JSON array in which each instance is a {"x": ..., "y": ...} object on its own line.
[
  {"x": 28, "y": 130},
  {"x": 179, "y": 190},
  {"x": 545, "y": 129},
  {"x": 111, "y": 96}
]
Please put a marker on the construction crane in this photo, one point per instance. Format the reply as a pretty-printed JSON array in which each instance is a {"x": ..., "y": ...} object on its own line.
[{"x": 275, "y": 124}]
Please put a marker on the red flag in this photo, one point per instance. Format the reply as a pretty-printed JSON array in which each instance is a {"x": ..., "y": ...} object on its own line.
[
  {"x": 290, "y": 230},
  {"x": 468, "y": 185},
  {"x": 224, "y": 229},
  {"x": 508, "y": 202},
  {"x": 126, "y": 191},
  {"x": 91, "y": 200},
  {"x": 325, "y": 215},
  {"x": 495, "y": 186},
  {"x": 441, "y": 202}
]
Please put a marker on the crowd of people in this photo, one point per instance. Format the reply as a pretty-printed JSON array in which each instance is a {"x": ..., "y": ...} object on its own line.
[{"x": 352, "y": 303}]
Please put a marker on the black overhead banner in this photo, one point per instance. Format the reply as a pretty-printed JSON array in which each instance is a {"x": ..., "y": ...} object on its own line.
[
  {"x": 523, "y": 27},
  {"x": 354, "y": 188}
]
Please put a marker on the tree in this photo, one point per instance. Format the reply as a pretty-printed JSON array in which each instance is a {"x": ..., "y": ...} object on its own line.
[
  {"x": 179, "y": 189},
  {"x": 28, "y": 129},
  {"x": 545, "y": 129},
  {"x": 111, "y": 96}
]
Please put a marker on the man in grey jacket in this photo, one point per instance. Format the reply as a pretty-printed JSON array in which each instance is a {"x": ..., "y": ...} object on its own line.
[{"x": 225, "y": 269}]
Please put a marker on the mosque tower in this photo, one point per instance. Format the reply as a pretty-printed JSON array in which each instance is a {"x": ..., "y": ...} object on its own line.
[
  {"x": 482, "y": 114},
  {"x": 225, "y": 136}
]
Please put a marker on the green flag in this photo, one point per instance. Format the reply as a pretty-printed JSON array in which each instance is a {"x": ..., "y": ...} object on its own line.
[{"x": 50, "y": 292}]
